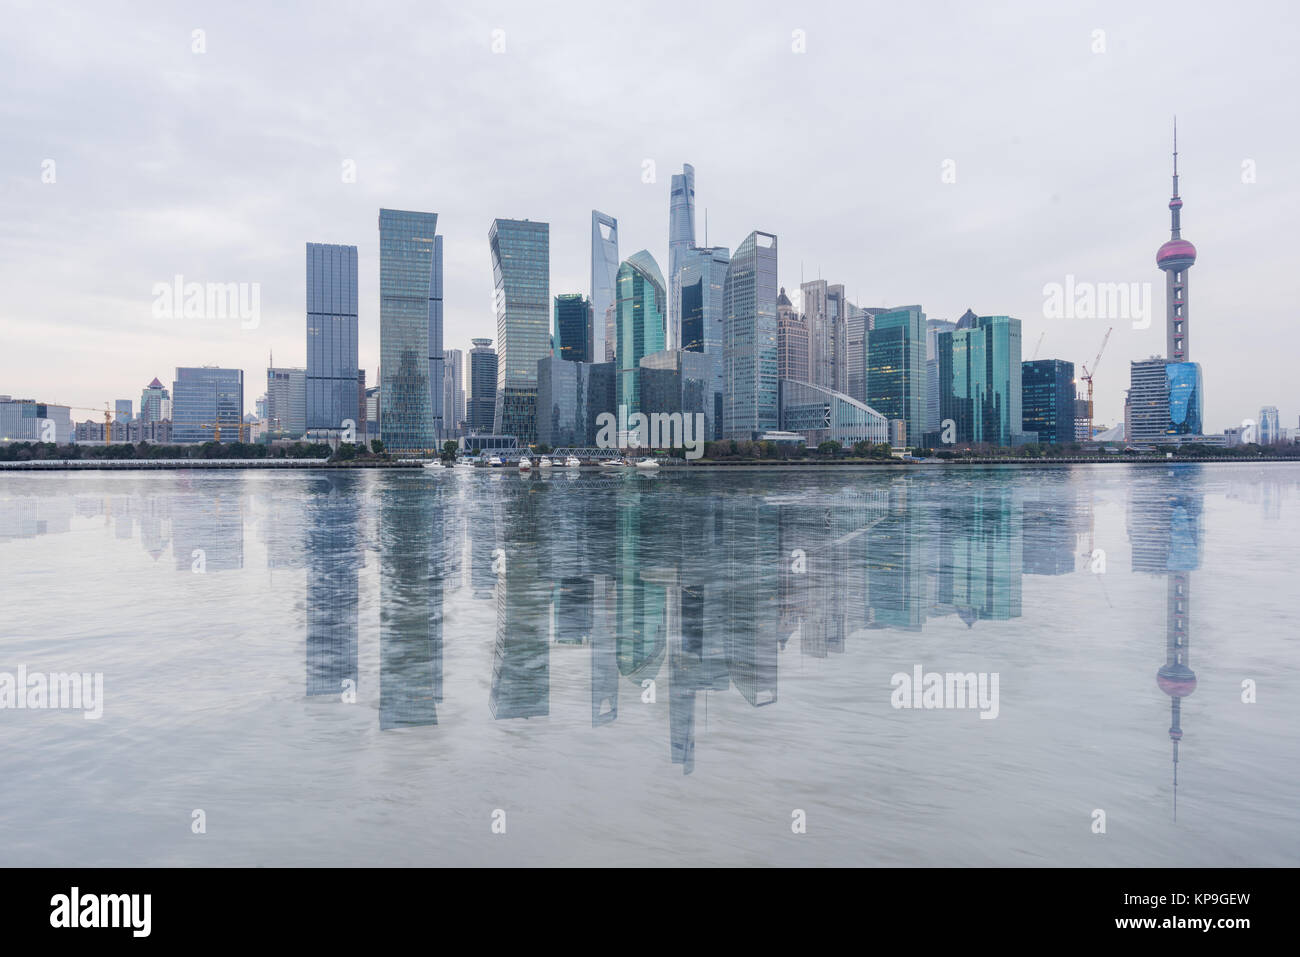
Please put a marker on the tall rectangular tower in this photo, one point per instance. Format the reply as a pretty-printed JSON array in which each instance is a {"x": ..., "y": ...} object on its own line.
[
  {"x": 410, "y": 268},
  {"x": 750, "y": 401},
  {"x": 331, "y": 387},
  {"x": 521, "y": 270}
]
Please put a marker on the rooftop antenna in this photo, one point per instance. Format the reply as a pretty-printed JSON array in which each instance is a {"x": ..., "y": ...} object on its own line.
[{"x": 706, "y": 227}]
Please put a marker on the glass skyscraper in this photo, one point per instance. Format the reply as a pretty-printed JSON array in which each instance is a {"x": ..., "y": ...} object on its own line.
[
  {"x": 1184, "y": 383},
  {"x": 702, "y": 276},
  {"x": 410, "y": 304},
  {"x": 750, "y": 399},
  {"x": 1047, "y": 406},
  {"x": 204, "y": 397},
  {"x": 604, "y": 275},
  {"x": 331, "y": 388},
  {"x": 521, "y": 271},
  {"x": 980, "y": 379},
  {"x": 640, "y": 325},
  {"x": 482, "y": 386},
  {"x": 894, "y": 381},
  {"x": 286, "y": 402},
  {"x": 681, "y": 237},
  {"x": 573, "y": 328}
]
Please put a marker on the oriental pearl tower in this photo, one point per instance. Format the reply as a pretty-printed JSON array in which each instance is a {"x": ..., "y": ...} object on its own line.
[{"x": 1176, "y": 257}]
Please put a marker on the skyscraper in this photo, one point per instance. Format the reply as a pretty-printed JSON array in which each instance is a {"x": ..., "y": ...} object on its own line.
[
  {"x": 122, "y": 411},
  {"x": 410, "y": 282},
  {"x": 825, "y": 309},
  {"x": 573, "y": 327},
  {"x": 604, "y": 275},
  {"x": 1047, "y": 406},
  {"x": 453, "y": 392},
  {"x": 640, "y": 325},
  {"x": 980, "y": 379},
  {"x": 521, "y": 269},
  {"x": 894, "y": 380},
  {"x": 750, "y": 399},
  {"x": 331, "y": 384},
  {"x": 791, "y": 339},
  {"x": 205, "y": 398},
  {"x": 286, "y": 401},
  {"x": 155, "y": 402},
  {"x": 1270, "y": 431},
  {"x": 932, "y": 329},
  {"x": 702, "y": 274},
  {"x": 482, "y": 386},
  {"x": 681, "y": 237}
]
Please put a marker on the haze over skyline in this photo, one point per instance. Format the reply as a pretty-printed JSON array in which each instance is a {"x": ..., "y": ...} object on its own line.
[{"x": 220, "y": 166}]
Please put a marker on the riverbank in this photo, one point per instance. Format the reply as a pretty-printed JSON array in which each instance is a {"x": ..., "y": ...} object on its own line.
[{"x": 82, "y": 465}]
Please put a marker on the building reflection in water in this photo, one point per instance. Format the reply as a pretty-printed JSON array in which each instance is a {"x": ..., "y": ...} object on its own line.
[
  {"x": 1166, "y": 530},
  {"x": 335, "y": 557}
]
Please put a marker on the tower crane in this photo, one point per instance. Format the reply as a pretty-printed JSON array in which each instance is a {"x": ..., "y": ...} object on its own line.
[
  {"x": 1087, "y": 376},
  {"x": 105, "y": 412}
]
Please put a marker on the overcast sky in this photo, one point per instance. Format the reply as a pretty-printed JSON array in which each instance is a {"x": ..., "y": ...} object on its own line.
[{"x": 220, "y": 165}]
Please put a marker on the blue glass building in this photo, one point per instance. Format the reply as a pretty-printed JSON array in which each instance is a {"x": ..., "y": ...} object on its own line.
[
  {"x": 980, "y": 379},
  {"x": 895, "y": 368},
  {"x": 331, "y": 337},
  {"x": 410, "y": 305},
  {"x": 1185, "y": 390},
  {"x": 203, "y": 398},
  {"x": 641, "y": 324},
  {"x": 521, "y": 271},
  {"x": 573, "y": 328},
  {"x": 1047, "y": 400},
  {"x": 750, "y": 398}
]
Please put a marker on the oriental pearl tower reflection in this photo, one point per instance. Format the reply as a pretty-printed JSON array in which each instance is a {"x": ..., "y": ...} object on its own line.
[{"x": 1165, "y": 528}]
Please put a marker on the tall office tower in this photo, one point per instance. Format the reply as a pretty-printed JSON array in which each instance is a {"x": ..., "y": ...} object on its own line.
[
  {"x": 825, "y": 308},
  {"x": 980, "y": 379},
  {"x": 410, "y": 282},
  {"x": 155, "y": 402},
  {"x": 932, "y": 329},
  {"x": 604, "y": 275},
  {"x": 204, "y": 398},
  {"x": 331, "y": 337},
  {"x": 453, "y": 393},
  {"x": 122, "y": 410},
  {"x": 751, "y": 397},
  {"x": 791, "y": 340},
  {"x": 1270, "y": 430},
  {"x": 640, "y": 328},
  {"x": 701, "y": 277},
  {"x": 437, "y": 361},
  {"x": 681, "y": 237},
  {"x": 857, "y": 323},
  {"x": 894, "y": 380},
  {"x": 573, "y": 336},
  {"x": 286, "y": 402},
  {"x": 360, "y": 433},
  {"x": 1148, "y": 400},
  {"x": 521, "y": 269},
  {"x": 1047, "y": 403},
  {"x": 482, "y": 386}
]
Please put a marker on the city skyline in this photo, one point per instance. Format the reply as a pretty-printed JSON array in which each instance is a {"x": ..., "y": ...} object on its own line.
[{"x": 1035, "y": 206}]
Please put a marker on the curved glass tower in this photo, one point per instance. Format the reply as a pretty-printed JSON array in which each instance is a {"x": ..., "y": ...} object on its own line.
[{"x": 640, "y": 323}]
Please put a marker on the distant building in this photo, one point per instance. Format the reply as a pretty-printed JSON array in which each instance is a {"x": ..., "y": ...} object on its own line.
[
  {"x": 205, "y": 398},
  {"x": 702, "y": 277},
  {"x": 751, "y": 399},
  {"x": 980, "y": 380},
  {"x": 894, "y": 355},
  {"x": 641, "y": 324},
  {"x": 521, "y": 269},
  {"x": 1269, "y": 429},
  {"x": 932, "y": 329},
  {"x": 155, "y": 402},
  {"x": 679, "y": 381},
  {"x": 332, "y": 367},
  {"x": 454, "y": 393},
  {"x": 826, "y": 311},
  {"x": 1048, "y": 400},
  {"x": 573, "y": 328},
  {"x": 824, "y": 415},
  {"x": 791, "y": 340},
  {"x": 604, "y": 276},
  {"x": 24, "y": 420},
  {"x": 482, "y": 386},
  {"x": 286, "y": 402},
  {"x": 570, "y": 397},
  {"x": 123, "y": 411},
  {"x": 410, "y": 331},
  {"x": 681, "y": 238}
]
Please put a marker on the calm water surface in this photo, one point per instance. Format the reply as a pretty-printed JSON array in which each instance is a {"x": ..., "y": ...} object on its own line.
[{"x": 653, "y": 670}]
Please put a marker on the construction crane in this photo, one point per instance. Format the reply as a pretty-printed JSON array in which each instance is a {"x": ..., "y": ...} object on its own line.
[
  {"x": 105, "y": 412},
  {"x": 216, "y": 428},
  {"x": 1087, "y": 376},
  {"x": 1039, "y": 345}
]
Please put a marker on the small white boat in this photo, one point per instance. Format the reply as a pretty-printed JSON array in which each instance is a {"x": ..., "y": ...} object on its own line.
[
  {"x": 435, "y": 464},
  {"x": 525, "y": 464},
  {"x": 494, "y": 462},
  {"x": 611, "y": 464},
  {"x": 647, "y": 463},
  {"x": 464, "y": 464},
  {"x": 572, "y": 462},
  {"x": 544, "y": 463}
]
